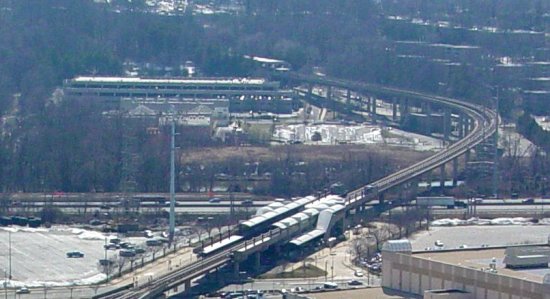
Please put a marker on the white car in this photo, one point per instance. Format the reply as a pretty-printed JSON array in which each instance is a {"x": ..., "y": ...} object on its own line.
[
  {"x": 359, "y": 273},
  {"x": 23, "y": 290},
  {"x": 438, "y": 243}
]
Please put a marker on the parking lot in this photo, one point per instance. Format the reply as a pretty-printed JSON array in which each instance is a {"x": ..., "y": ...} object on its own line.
[
  {"x": 477, "y": 235},
  {"x": 39, "y": 256}
]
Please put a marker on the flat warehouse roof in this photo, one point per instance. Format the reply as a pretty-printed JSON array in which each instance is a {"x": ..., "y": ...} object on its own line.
[
  {"x": 477, "y": 259},
  {"x": 256, "y": 81}
]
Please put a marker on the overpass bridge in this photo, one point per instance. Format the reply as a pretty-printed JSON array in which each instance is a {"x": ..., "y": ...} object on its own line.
[{"x": 479, "y": 124}]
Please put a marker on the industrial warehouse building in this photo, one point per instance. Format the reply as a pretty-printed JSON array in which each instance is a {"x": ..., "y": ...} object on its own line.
[
  {"x": 200, "y": 96},
  {"x": 468, "y": 273}
]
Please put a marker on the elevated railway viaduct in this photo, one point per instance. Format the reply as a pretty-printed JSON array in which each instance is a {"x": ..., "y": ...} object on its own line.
[{"x": 478, "y": 123}]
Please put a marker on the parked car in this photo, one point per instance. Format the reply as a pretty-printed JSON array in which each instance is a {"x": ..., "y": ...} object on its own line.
[
  {"x": 153, "y": 242},
  {"x": 104, "y": 262},
  {"x": 127, "y": 245},
  {"x": 354, "y": 283},
  {"x": 127, "y": 253},
  {"x": 114, "y": 240},
  {"x": 359, "y": 273},
  {"x": 75, "y": 254},
  {"x": 111, "y": 246}
]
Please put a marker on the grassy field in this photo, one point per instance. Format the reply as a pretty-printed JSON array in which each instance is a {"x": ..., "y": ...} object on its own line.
[{"x": 302, "y": 152}]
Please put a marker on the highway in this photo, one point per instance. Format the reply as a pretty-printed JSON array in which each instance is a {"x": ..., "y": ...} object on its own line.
[{"x": 484, "y": 125}]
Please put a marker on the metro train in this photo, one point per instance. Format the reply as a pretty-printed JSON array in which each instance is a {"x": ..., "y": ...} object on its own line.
[{"x": 291, "y": 218}]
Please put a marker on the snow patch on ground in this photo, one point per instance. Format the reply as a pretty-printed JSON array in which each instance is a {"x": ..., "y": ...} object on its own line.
[
  {"x": 15, "y": 229},
  {"x": 480, "y": 221},
  {"x": 94, "y": 279}
]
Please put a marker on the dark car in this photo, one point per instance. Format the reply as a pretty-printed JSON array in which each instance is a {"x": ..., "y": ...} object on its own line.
[
  {"x": 75, "y": 254},
  {"x": 528, "y": 201},
  {"x": 247, "y": 202},
  {"x": 127, "y": 253},
  {"x": 214, "y": 200},
  {"x": 104, "y": 262},
  {"x": 355, "y": 283},
  {"x": 111, "y": 246}
]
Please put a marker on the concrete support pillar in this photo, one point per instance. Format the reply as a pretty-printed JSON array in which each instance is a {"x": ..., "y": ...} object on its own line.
[
  {"x": 236, "y": 269},
  {"x": 446, "y": 124},
  {"x": 414, "y": 188},
  {"x": 344, "y": 221},
  {"x": 348, "y": 97},
  {"x": 455, "y": 172},
  {"x": 466, "y": 126},
  {"x": 467, "y": 157},
  {"x": 373, "y": 105},
  {"x": 394, "y": 109},
  {"x": 368, "y": 104},
  {"x": 329, "y": 92},
  {"x": 442, "y": 177},
  {"x": 257, "y": 261},
  {"x": 310, "y": 89},
  {"x": 403, "y": 108},
  {"x": 460, "y": 126},
  {"x": 381, "y": 198},
  {"x": 187, "y": 285}
]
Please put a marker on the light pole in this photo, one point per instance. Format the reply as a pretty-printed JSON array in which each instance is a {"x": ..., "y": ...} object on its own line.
[
  {"x": 332, "y": 269},
  {"x": 9, "y": 254},
  {"x": 106, "y": 261},
  {"x": 172, "y": 182},
  {"x": 5, "y": 284}
]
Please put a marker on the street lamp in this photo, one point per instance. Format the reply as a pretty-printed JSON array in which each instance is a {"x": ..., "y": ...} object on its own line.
[
  {"x": 332, "y": 268},
  {"x": 106, "y": 261}
]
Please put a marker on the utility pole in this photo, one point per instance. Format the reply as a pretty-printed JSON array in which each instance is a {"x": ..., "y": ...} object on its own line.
[
  {"x": 495, "y": 161},
  {"x": 172, "y": 183}
]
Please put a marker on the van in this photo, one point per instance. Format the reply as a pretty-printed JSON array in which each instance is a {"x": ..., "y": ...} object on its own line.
[{"x": 330, "y": 285}]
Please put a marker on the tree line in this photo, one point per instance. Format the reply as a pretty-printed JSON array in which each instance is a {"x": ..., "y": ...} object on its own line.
[{"x": 72, "y": 147}]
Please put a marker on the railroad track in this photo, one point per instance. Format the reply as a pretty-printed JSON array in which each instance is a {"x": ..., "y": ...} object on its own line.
[{"x": 484, "y": 125}]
